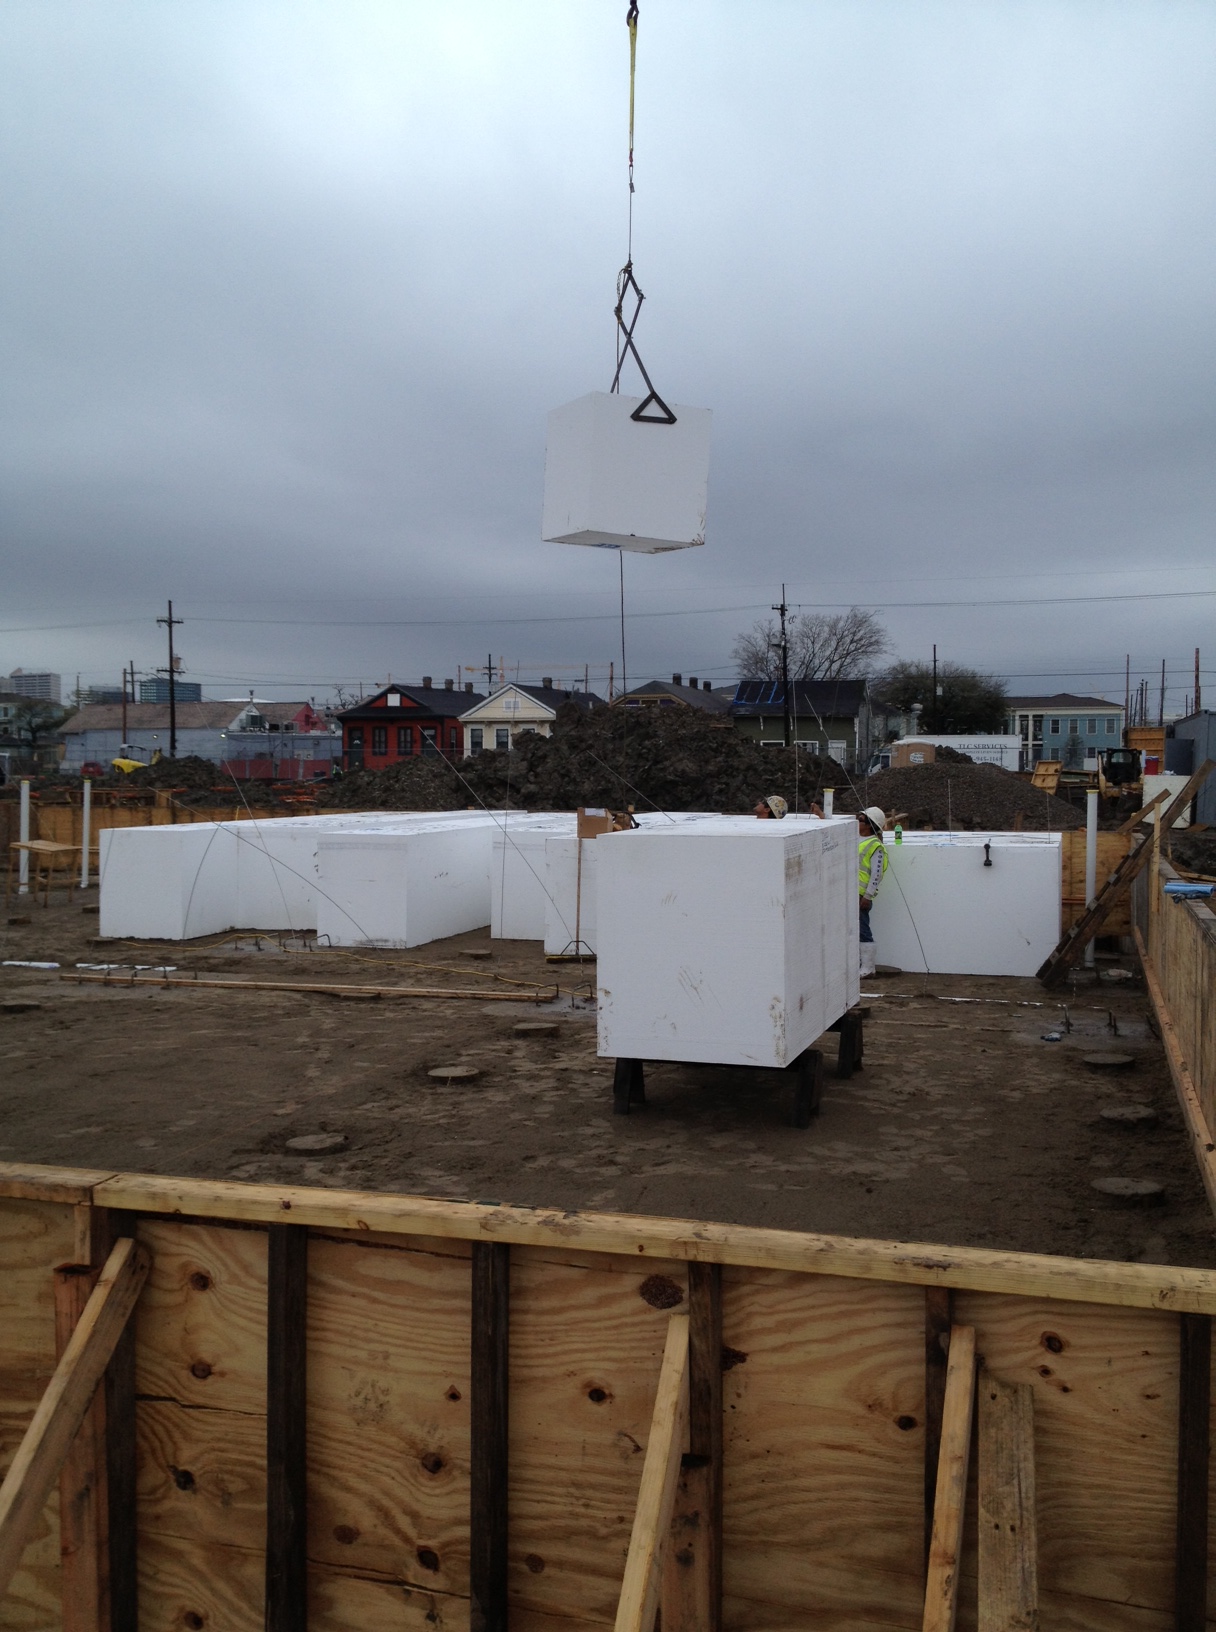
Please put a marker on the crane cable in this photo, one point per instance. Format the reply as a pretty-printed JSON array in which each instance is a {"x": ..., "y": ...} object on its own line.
[{"x": 626, "y": 283}]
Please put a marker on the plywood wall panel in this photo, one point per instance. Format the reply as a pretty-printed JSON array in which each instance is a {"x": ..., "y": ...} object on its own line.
[
  {"x": 201, "y": 1321},
  {"x": 196, "y": 1586},
  {"x": 339, "y": 1602},
  {"x": 1106, "y": 1424},
  {"x": 586, "y": 1348},
  {"x": 388, "y": 1410},
  {"x": 823, "y": 1453},
  {"x": 201, "y": 1475},
  {"x": 34, "y": 1237}
]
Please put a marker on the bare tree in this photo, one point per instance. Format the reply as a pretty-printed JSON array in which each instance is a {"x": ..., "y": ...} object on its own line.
[{"x": 823, "y": 646}]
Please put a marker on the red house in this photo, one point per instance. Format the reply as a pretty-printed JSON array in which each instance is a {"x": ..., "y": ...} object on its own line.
[{"x": 402, "y": 721}]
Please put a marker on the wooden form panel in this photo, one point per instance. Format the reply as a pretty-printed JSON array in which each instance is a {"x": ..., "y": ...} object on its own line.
[
  {"x": 1112, "y": 847},
  {"x": 34, "y": 1237},
  {"x": 1106, "y": 1462},
  {"x": 1183, "y": 947},
  {"x": 824, "y": 1452},
  {"x": 586, "y": 1349},
  {"x": 200, "y": 1329},
  {"x": 388, "y": 1396}
]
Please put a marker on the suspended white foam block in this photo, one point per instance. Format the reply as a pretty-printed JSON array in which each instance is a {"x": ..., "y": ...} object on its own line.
[
  {"x": 729, "y": 941},
  {"x": 623, "y": 484},
  {"x": 940, "y": 910},
  {"x": 167, "y": 883},
  {"x": 403, "y": 889}
]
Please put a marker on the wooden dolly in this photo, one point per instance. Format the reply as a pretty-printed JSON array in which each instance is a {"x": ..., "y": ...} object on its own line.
[{"x": 805, "y": 1073}]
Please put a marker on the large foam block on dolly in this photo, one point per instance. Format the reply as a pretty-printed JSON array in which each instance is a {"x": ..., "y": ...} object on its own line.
[
  {"x": 403, "y": 889},
  {"x": 942, "y": 911},
  {"x": 728, "y": 941},
  {"x": 613, "y": 481},
  {"x": 167, "y": 883}
]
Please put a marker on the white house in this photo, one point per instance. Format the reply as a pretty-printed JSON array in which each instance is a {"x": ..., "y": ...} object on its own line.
[{"x": 498, "y": 719}]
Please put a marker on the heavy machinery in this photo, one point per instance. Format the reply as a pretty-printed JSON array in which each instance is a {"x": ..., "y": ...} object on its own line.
[{"x": 1117, "y": 776}]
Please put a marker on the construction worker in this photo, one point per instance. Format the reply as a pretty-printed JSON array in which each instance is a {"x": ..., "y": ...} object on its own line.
[
  {"x": 871, "y": 865},
  {"x": 771, "y": 809}
]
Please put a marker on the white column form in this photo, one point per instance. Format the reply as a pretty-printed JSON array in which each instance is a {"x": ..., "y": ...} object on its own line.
[{"x": 86, "y": 812}]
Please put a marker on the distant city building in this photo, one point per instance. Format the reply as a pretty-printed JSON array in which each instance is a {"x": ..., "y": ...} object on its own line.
[
  {"x": 46, "y": 686},
  {"x": 100, "y": 694},
  {"x": 156, "y": 690}
]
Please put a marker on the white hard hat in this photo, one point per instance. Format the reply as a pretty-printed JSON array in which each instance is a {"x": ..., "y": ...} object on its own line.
[
  {"x": 777, "y": 805},
  {"x": 877, "y": 818}
]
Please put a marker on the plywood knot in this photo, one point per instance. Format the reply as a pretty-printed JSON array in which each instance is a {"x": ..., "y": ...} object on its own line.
[{"x": 661, "y": 1292}]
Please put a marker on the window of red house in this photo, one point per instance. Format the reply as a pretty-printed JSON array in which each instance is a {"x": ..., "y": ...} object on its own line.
[
  {"x": 379, "y": 739},
  {"x": 405, "y": 741},
  {"x": 428, "y": 739},
  {"x": 452, "y": 740}
]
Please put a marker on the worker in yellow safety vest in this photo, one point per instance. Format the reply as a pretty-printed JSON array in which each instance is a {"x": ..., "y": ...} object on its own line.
[{"x": 871, "y": 865}]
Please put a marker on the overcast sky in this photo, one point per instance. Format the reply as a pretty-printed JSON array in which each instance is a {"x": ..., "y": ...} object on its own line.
[{"x": 288, "y": 290}]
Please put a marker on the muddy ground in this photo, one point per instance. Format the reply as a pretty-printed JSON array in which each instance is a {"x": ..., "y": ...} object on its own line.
[{"x": 964, "y": 1127}]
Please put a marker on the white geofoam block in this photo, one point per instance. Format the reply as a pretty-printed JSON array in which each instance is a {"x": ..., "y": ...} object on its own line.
[
  {"x": 728, "y": 941},
  {"x": 623, "y": 484},
  {"x": 519, "y": 886},
  {"x": 941, "y": 910},
  {"x": 167, "y": 883},
  {"x": 403, "y": 889}
]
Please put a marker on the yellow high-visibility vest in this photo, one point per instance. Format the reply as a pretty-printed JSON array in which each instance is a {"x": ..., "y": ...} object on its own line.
[{"x": 865, "y": 862}]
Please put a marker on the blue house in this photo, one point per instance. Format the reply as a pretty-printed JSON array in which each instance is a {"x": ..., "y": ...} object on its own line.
[{"x": 1064, "y": 727}]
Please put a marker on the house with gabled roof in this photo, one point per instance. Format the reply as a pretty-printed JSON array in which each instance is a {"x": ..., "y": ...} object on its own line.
[
  {"x": 497, "y": 720},
  {"x": 400, "y": 722}
]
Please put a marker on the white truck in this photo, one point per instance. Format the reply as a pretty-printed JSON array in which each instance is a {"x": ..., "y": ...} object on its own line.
[{"x": 988, "y": 750}]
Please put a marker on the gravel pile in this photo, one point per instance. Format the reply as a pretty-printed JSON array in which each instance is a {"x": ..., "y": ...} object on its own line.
[
  {"x": 670, "y": 759},
  {"x": 1195, "y": 851}
]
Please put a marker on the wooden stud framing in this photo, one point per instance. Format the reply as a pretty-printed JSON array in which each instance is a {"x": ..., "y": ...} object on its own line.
[
  {"x": 657, "y": 1493},
  {"x": 945, "y": 1550},
  {"x": 1194, "y": 1449},
  {"x": 48, "y": 1439},
  {"x": 692, "y": 1570},
  {"x": 84, "y": 1536},
  {"x": 1008, "y": 1547},
  {"x": 938, "y": 1320},
  {"x": 286, "y": 1429},
  {"x": 489, "y": 1422}
]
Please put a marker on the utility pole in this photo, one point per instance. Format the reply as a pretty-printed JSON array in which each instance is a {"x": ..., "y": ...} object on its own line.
[
  {"x": 934, "y": 726},
  {"x": 169, "y": 623},
  {"x": 1196, "y": 680},
  {"x": 784, "y": 649},
  {"x": 489, "y": 671},
  {"x": 1161, "y": 705}
]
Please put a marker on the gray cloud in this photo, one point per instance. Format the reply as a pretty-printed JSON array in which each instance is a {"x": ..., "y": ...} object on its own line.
[{"x": 288, "y": 290}]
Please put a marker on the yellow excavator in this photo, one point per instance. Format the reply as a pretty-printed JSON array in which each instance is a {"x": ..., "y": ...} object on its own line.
[
  {"x": 1117, "y": 778},
  {"x": 129, "y": 765}
]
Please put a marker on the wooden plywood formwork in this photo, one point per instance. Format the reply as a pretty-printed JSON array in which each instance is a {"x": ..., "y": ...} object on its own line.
[
  {"x": 828, "y": 1401},
  {"x": 1112, "y": 847},
  {"x": 1176, "y": 940}
]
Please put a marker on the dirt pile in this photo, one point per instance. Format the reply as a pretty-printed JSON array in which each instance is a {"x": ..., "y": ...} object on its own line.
[
  {"x": 1194, "y": 851},
  {"x": 958, "y": 793},
  {"x": 670, "y": 759}
]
